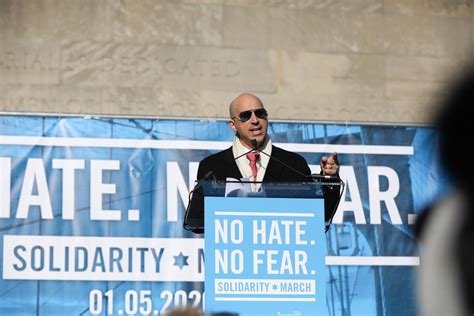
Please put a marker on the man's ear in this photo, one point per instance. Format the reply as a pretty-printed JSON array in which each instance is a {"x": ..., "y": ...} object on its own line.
[{"x": 232, "y": 126}]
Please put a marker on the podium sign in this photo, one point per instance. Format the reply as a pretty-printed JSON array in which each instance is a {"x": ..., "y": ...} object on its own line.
[{"x": 265, "y": 256}]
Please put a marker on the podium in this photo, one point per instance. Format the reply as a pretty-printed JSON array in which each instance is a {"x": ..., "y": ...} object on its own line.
[{"x": 265, "y": 250}]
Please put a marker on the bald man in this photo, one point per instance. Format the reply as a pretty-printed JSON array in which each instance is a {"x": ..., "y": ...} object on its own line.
[{"x": 249, "y": 121}]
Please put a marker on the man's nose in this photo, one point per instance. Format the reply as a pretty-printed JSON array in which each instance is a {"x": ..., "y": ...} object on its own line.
[{"x": 254, "y": 118}]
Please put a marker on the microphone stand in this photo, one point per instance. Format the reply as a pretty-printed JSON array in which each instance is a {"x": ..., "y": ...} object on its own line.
[{"x": 313, "y": 178}]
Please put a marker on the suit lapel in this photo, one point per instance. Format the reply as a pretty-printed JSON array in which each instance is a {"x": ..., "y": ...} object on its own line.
[
  {"x": 232, "y": 169},
  {"x": 274, "y": 169}
]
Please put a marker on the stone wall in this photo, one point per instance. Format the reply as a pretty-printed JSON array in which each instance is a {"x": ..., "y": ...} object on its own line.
[{"x": 336, "y": 60}]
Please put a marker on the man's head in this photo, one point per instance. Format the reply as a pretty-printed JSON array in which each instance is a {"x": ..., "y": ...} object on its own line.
[{"x": 248, "y": 119}]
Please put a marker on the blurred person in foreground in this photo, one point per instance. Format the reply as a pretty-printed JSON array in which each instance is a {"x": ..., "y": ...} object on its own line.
[
  {"x": 186, "y": 312},
  {"x": 446, "y": 229},
  {"x": 252, "y": 156}
]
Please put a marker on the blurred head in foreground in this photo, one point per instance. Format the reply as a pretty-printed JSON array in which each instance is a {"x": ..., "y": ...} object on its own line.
[
  {"x": 446, "y": 273},
  {"x": 186, "y": 312}
]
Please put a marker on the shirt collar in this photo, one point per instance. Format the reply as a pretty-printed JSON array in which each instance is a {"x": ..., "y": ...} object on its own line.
[{"x": 239, "y": 149}]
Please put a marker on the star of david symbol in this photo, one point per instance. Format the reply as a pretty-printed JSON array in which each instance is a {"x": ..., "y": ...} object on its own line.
[{"x": 181, "y": 260}]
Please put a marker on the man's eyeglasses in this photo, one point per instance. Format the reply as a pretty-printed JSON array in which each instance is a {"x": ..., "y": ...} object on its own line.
[{"x": 244, "y": 116}]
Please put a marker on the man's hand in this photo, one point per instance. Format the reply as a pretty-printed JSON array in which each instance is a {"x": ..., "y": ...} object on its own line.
[{"x": 329, "y": 165}]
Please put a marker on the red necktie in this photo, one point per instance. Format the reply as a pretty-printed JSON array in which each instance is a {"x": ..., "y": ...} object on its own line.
[{"x": 252, "y": 157}]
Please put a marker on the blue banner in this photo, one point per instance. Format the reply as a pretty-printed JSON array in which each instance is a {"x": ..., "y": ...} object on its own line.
[{"x": 91, "y": 213}]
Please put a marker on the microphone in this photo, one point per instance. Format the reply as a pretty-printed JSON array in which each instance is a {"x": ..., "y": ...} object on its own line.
[
  {"x": 324, "y": 178},
  {"x": 254, "y": 144}
]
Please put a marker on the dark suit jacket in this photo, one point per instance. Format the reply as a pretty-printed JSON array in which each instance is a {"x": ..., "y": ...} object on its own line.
[{"x": 284, "y": 166}]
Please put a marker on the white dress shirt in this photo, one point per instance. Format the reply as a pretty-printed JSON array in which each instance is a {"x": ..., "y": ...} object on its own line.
[{"x": 243, "y": 163}]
